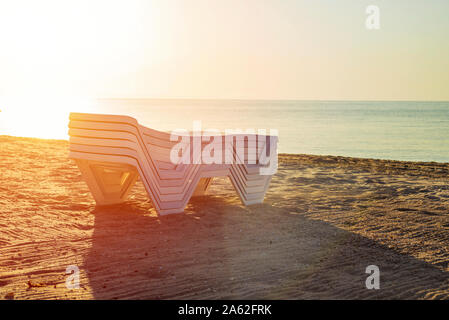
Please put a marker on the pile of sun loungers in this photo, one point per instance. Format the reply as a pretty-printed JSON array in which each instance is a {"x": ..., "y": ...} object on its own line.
[{"x": 112, "y": 152}]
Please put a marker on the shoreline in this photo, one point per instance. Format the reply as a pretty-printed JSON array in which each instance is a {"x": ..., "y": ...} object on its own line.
[
  {"x": 324, "y": 220},
  {"x": 299, "y": 155}
]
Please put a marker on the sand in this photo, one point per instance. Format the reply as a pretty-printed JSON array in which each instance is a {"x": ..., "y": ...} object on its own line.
[{"x": 325, "y": 219}]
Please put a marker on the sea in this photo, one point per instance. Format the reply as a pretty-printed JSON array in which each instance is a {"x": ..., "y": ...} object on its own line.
[{"x": 396, "y": 130}]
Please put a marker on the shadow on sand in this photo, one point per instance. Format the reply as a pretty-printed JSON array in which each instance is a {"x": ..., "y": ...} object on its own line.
[{"x": 220, "y": 250}]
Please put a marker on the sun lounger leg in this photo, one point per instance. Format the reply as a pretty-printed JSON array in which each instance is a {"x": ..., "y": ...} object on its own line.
[
  {"x": 109, "y": 183},
  {"x": 251, "y": 188},
  {"x": 202, "y": 187}
]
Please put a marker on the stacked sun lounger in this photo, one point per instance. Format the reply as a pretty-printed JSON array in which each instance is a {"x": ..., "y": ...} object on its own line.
[{"x": 113, "y": 151}]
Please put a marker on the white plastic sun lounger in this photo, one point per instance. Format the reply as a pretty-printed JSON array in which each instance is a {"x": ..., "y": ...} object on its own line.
[{"x": 112, "y": 152}]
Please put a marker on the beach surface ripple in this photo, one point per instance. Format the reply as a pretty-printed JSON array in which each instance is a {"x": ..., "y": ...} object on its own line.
[{"x": 324, "y": 220}]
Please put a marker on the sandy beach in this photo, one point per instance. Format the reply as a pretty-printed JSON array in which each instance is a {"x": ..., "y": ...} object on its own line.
[{"x": 324, "y": 220}]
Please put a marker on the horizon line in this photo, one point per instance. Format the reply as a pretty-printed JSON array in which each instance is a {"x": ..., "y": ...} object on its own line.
[{"x": 271, "y": 99}]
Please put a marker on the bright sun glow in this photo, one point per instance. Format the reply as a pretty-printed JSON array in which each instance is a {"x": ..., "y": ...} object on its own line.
[
  {"x": 52, "y": 51},
  {"x": 41, "y": 117}
]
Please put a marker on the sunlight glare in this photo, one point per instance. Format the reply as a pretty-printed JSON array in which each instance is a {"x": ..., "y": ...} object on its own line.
[{"x": 40, "y": 117}]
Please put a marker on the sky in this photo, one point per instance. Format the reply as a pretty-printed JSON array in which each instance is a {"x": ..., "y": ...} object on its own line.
[{"x": 225, "y": 49}]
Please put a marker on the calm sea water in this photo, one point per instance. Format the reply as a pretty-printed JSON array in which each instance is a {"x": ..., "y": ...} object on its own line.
[{"x": 417, "y": 131}]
